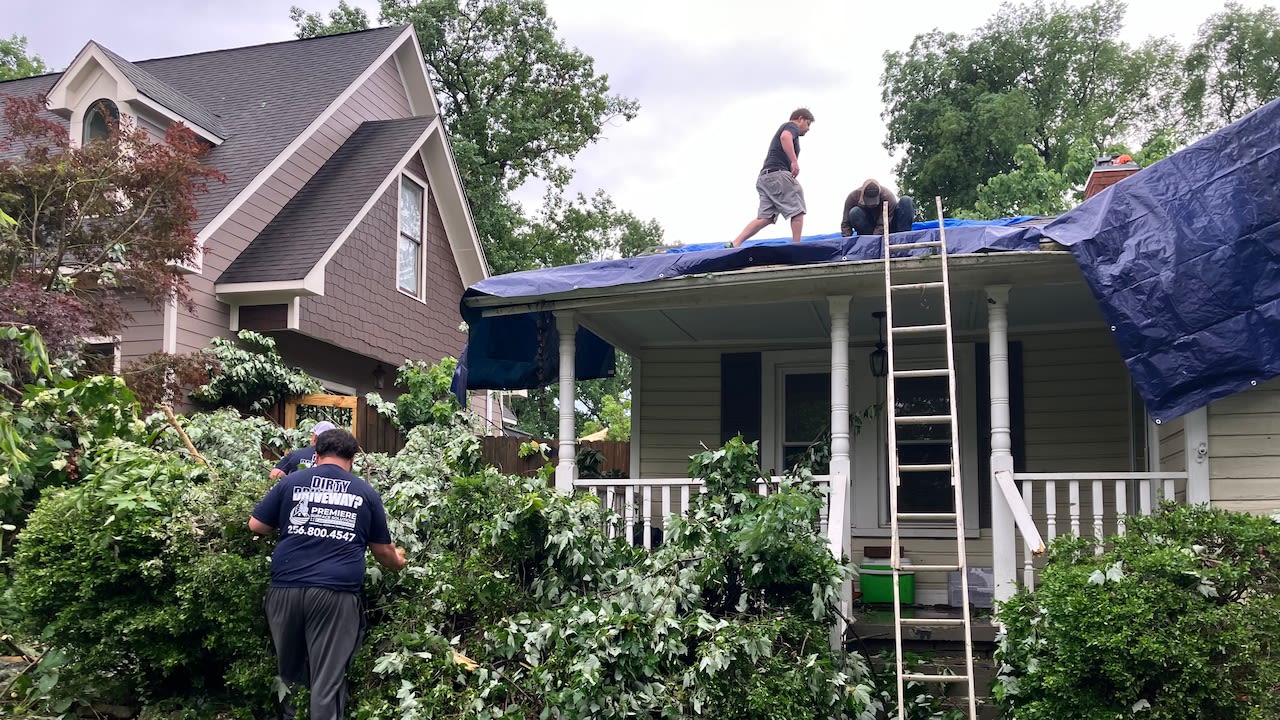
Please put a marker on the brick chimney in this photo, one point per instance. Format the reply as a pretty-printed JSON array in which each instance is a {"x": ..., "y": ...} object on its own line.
[{"x": 1107, "y": 171}]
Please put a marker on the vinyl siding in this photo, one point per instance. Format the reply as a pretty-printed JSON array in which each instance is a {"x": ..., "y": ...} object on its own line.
[
  {"x": 143, "y": 332},
  {"x": 1244, "y": 456},
  {"x": 382, "y": 97},
  {"x": 679, "y": 408}
]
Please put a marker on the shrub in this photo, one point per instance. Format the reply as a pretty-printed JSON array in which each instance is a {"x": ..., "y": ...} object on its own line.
[
  {"x": 250, "y": 375},
  {"x": 1179, "y": 618}
]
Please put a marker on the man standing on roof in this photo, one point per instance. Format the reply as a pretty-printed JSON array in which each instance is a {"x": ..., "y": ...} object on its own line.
[
  {"x": 302, "y": 457},
  {"x": 327, "y": 517},
  {"x": 864, "y": 213},
  {"x": 780, "y": 192}
]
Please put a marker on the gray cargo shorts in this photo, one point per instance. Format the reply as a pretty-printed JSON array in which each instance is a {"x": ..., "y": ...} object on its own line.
[{"x": 780, "y": 194}]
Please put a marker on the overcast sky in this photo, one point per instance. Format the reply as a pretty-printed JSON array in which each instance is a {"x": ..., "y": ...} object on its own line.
[{"x": 714, "y": 79}]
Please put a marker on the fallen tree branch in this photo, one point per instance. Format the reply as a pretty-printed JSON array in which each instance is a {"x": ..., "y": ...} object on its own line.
[{"x": 191, "y": 448}]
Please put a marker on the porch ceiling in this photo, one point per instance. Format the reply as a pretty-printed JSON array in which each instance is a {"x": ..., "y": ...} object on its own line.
[{"x": 787, "y": 306}]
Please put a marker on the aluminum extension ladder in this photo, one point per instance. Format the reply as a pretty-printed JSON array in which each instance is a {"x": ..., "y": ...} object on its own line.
[{"x": 929, "y": 274}]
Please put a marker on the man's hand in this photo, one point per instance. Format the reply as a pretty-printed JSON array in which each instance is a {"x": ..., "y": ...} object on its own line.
[
  {"x": 388, "y": 556},
  {"x": 276, "y": 473},
  {"x": 795, "y": 168}
]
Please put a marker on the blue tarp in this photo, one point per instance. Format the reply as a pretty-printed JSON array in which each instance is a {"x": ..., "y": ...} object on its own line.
[
  {"x": 1184, "y": 259},
  {"x": 521, "y": 350}
]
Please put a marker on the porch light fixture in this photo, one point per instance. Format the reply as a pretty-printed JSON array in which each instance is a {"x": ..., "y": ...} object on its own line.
[
  {"x": 879, "y": 358},
  {"x": 379, "y": 377}
]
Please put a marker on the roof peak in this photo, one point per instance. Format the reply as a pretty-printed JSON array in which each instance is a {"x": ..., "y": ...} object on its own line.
[{"x": 382, "y": 28}]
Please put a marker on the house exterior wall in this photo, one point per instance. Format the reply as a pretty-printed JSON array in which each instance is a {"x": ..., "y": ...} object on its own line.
[
  {"x": 143, "y": 332},
  {"x": 1076, "y": 419},
  {"x": 381, "y": 97},
  {"x": 360, "y": 284},
  {"x": 1244, "y": 455}
]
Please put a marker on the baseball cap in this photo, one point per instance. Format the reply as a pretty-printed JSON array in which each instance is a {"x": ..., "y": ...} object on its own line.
[
  {"x": 322, "y": 426},
  {"x": 871, "y": 195}
]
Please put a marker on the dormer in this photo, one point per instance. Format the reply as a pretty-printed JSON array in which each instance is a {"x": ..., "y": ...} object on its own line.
[{"x": 99, "y": 85}]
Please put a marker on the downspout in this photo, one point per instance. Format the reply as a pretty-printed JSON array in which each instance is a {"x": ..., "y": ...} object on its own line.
[
  {"x": 1004, "y": 556},
  {"x": 566, "y": 465}
]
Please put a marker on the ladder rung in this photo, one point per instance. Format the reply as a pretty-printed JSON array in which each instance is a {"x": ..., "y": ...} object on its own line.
[
  {"x": 927, "y": 516},
  {"x": 921, "y": 419},
  {"x": 939, "y": 372},
  {"x": 915, "y": 245},
  {"x": 928, "y": 568},
  {"x": 918, "y": 285},
  {"x": 931, "y": 467},
  {"x": 914, "y": 329},
  {"x": 936, "y": 678},
  {"x": 933, "y": 622}
]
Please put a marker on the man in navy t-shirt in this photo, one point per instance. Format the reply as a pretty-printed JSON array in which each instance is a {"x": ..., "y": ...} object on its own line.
[
  {"x": 302, "y": 457},
  {"x": 327, "y": 517}
]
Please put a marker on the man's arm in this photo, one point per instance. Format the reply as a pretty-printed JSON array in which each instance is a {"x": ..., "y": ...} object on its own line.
[
  {"x": 787, "y": 138},
  {"x": 845, "y": 228},
  {"x": 388, "y": 556},
  {"x": 260, "y": 527}
]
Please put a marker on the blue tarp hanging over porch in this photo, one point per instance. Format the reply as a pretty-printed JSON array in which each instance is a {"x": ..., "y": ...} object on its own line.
[
  {"x": 1184, "y": 259},
  {"x": 521, "y": 349}
]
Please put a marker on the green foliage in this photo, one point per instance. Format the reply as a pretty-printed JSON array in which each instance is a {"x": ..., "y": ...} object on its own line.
[
  {"x": 427, "y": 399},
  {"x": 1178, "y": 618},
  {"x": 1233, "y": 67},
  {"x": 251, "y": 376},
  {"x": 563, "y": 622},
  {"x": 603, "y": 402},
  {"x": 15, "y": 63},
  {"x": 520, "y": 104},
  {"x": 1053, "y": 77},
  {"x": 1031, "y": 188},
  {"x": 145, "y": 578}
]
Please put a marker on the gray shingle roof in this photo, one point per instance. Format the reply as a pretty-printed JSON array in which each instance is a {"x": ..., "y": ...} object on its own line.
[
  {"x": 300, "y": 234},
  {"x": 263, "y": 97},
  {"x": 26, "y": 87},
  {"x": 167, "y": 96}
]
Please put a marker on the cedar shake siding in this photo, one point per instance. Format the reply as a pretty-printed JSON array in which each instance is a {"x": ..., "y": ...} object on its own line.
[
  {"x": 360, "y": 292},
  {"x": 381, "y": 97}
]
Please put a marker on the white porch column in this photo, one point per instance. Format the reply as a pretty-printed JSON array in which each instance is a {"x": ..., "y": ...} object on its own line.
[
  {"x": 1004, "y": 549},
  {"x": 567, "y": 466},
  {"x": 838, "y": 530},
  {"x": 1195, "y": 433}
]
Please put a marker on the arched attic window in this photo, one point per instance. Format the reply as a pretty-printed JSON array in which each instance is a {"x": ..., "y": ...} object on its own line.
[{"x": 99, "y": 119}]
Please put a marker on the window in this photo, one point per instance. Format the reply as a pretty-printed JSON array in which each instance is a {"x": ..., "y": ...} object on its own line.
[
  {"x": 409, "y": 250},
  {"x": 806, "y": 413},
  {"x": 101, "y": 117},
  {"x": 924, "y": 445}
]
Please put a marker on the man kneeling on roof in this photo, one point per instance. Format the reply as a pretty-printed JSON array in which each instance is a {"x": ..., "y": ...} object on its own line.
[{"x": 864, "y": 213}]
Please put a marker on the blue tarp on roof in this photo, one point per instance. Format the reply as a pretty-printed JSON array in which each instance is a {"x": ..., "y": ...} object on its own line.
[
  {"x": 1184, "y": 259},
  {"x": 521, "y": 350}
]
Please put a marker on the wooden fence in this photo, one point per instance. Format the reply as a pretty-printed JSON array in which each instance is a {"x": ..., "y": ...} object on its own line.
[{"x": 504, "y": 454}]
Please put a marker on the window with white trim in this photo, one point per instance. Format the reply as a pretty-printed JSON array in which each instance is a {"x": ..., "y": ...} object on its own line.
[
  {"x": 409, "y": 254},
  {"x": 102, "y": 116}
]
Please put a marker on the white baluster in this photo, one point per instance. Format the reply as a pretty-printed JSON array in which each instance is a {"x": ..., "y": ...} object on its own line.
[
  {"x": 1122, "y": 504},
  {"x": 667, "y": 492},
  {"x": 647, "y": 513},
  {"x": 611, "y": 529},
  {"x": 1073, "y": 499},
  {"x": 1051, "y": 509},
  {"x": 1097, "y": 517},
  {"x": 1170, "y": 492},
  {"x": 1028, "y": 569},
  {"x": 629, "y": 515}
]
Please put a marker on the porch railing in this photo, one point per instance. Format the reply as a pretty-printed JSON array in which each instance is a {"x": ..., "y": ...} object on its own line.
[
  {"x": 1091, "y": 504},
  {"x": 641, "y": 507}
]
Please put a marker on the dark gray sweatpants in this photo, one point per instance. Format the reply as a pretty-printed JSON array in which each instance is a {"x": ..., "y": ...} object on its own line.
[{"x": 316, "y": 632}]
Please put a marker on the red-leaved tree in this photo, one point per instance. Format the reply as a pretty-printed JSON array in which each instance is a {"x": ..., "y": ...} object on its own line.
[{"x": 93, "y": 224}]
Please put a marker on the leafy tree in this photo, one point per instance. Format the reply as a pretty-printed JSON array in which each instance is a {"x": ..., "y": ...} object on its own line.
[
  {"x": 519, "y": 104},
  {"x": 1051, "y": 77},
  {"x": 1234, "y": 66},
  {"x": 539, "y": 413},
  {"x": 249, "y": 375},
  {"x": 15, "y": 63},
  {"x": 344, "y": 18},
  {"x": 1030, "y": 188},
  {"x": 93, "y": 222},
  {"x": 427, "y": 399}
]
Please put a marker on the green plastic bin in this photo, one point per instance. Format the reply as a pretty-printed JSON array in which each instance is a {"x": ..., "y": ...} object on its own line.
[{"x": 876, "y": 583}]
